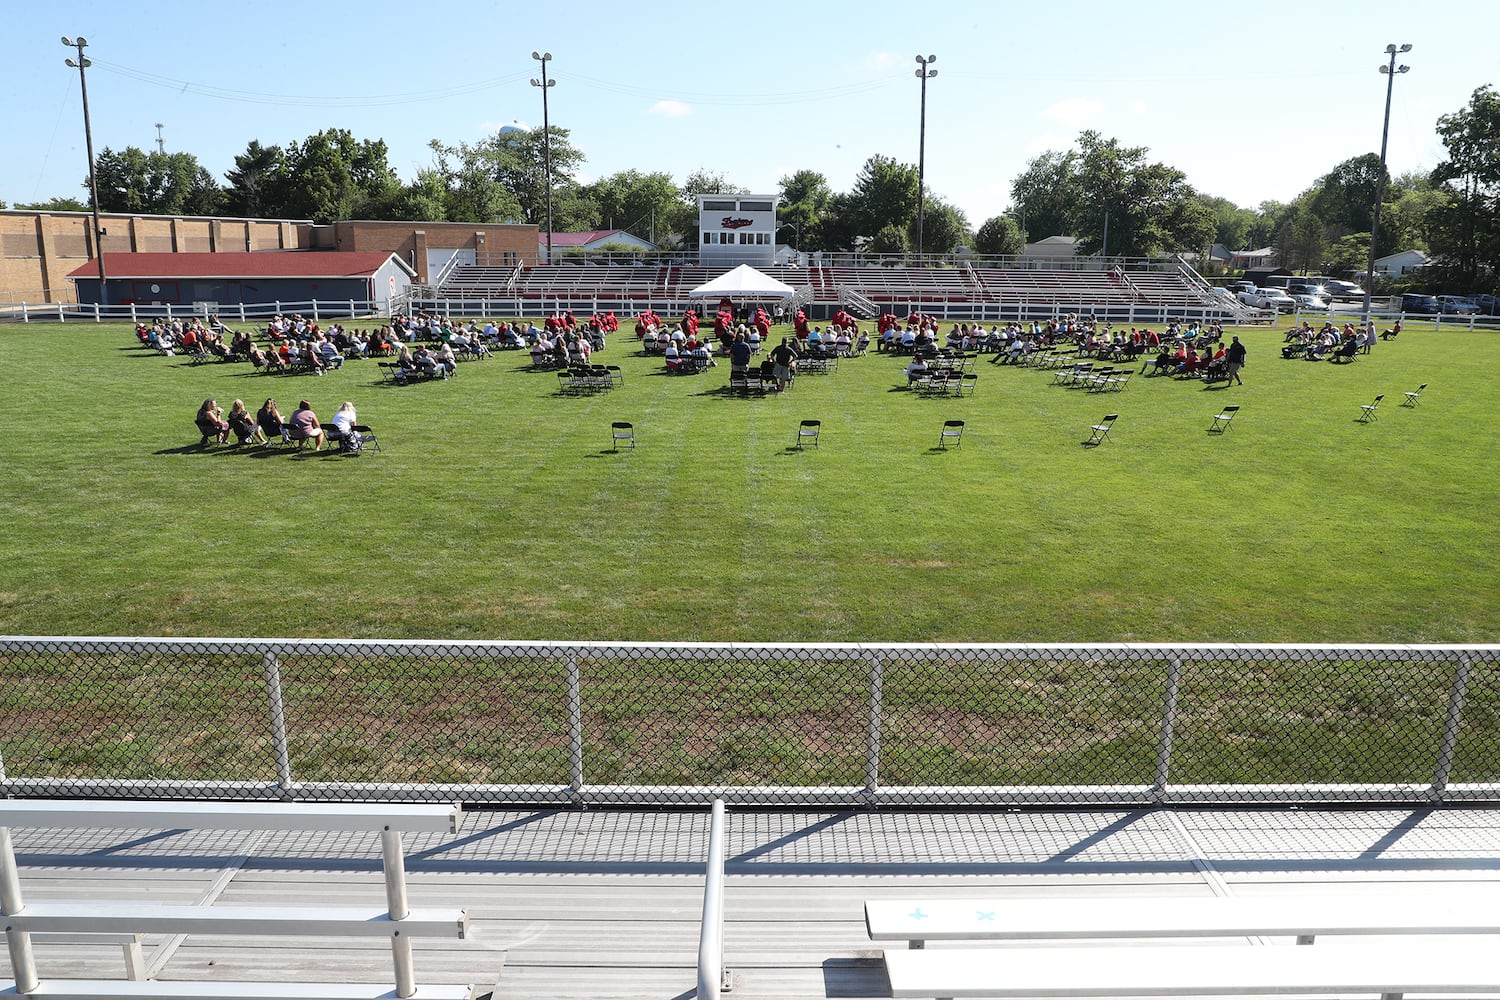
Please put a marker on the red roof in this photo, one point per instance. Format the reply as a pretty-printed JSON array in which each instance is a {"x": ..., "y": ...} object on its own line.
[
  {"x": 582, "y": 239},
  {"x": 256, "y": 264}
]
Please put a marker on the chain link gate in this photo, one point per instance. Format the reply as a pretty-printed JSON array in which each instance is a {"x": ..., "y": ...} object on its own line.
[{"x": 799, "y": 725}]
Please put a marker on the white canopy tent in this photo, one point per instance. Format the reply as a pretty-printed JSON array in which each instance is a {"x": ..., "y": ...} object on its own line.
[{"x": 744, "y": 282}]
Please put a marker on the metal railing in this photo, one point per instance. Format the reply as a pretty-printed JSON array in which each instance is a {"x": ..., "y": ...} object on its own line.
[
  {"x": 711, "y": 978},
  {"x": 229, "y": 312},
  {"x": 828, "y": 725}
]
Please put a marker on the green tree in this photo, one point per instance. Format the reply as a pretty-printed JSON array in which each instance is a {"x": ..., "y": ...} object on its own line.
[
  {"x": 519, "y": 163},
  {"x": 1046, "y": 195},
  {"x": 331, "y": 176},
  {"x": 154, "y": 183},
  {"x": 53, "y": 205},
  {"x": 1232, "y": 224},
  {"x": 1148, "y": 208},
  {"x": 891, "y": 239},
  {"x": 1465, "y": 232},
  {"x": 805, "y": 197},
  {"x": 1344, "y": 198},
  {"x": 1000, "y": 235},
  {"x": 945, "y": 228},
  {"x": 256, "y": 183},
  {"x": 884, "y": 194},
  {"x": 471, "y": 190},
  {"x": 641, "y": 204}
]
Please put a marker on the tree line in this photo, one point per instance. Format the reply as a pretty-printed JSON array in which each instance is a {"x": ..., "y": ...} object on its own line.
[{"x": 1112, "y": 198}]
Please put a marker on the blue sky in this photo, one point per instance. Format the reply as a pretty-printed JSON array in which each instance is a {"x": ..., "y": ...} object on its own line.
[{"x": 1253, "y": 102}]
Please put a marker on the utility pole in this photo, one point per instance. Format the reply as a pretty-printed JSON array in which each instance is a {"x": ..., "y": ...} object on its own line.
[
  {"x": 82, "y": 64},
  {"x": 924, "y": 74},
  {"x": 545, "y": 83},
  {"x": 1390, "y": 72}
]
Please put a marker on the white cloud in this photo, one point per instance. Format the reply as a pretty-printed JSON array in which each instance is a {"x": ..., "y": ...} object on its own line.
[
  {"x": 1074, "y": 111},
  {"x": 880, "y": 60},
  {"x": 671, "y": 109}
]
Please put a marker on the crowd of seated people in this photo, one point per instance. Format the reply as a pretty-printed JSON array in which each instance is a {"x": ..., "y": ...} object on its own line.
[{"x": 1328, "y": 342}]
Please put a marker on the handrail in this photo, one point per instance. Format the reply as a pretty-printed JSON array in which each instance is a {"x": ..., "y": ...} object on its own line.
[{"x": 711, "y": 933}]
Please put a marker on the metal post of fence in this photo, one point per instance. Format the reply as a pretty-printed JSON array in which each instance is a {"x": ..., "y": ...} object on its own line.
[
  {"x": 271, "y": 667},
  {"x": 575, "y": 725},
  {"x": 1168, "y": 727},
  {"x": 22, "y": 962},
  {"x": 394, "y": 863},
  {"x": 1450, "y": 727},
  {"x": 877, "y": 712}
]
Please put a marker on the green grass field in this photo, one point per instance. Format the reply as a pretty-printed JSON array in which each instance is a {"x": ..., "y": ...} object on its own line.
[{"x": 496, "y": 509}]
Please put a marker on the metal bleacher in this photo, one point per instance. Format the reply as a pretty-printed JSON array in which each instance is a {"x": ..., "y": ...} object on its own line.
[{"x": 1150, "y": 289}]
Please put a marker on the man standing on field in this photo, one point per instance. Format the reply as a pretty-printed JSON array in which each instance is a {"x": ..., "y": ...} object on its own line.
[{"x": 1234, "y": 360}]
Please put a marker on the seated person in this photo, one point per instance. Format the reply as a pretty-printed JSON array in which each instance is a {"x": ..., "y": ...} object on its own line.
[
  {"x": 211, "y": 422},
  {"x": 243, "y": 425},
  {"x": 304, "y": 426},
  {"x": 268, "y": 421},
  {"x": 342, "y": 426},
  {"x": 1393, "y": 332},
  {"x": 330, "y": 355},
  {"x": 917, "y": 370},
  {"x": 703, "y": 359},
  {"x": 672, "y": 357}
]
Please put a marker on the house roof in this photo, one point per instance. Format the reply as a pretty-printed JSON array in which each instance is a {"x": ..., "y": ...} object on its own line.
[
  {"x": 586, "y": 237},
  {"x": 256, "y": 264},
  {"x": 1404, "y": 255}
]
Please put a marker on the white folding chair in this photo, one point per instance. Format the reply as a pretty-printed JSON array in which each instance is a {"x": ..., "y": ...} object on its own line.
[
  {"x": 1100, "y": 431},
  {"x": 621, "y": 430},
  {"x": 1221, "y": 421},
  {"x": 1412, "y": 397},
  {"x": 1368, "y": 409},
  {"x": 808, "y": 431}
]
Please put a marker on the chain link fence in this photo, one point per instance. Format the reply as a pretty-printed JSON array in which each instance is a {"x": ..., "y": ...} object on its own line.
[{"x": 790, "y": 725}]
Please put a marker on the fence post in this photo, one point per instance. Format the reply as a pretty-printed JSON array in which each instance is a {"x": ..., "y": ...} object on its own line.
[
  {"x": 351, "y": 308},
  {"x": 96, "y": 312},
  {"x": 271, "y": 668},
  {"x": 61, "y": 316},
  {"x": 169, "y": 310},
  {"x": 1168, "y": 728},
  {"x": 877, "y": 714},
  {"x": 575, "y": 726},
  {"x": 242, "y": 312},
  {"x": 133, "y": 318},
  {"x": 1450, "y": 727},
  {"x": 25, "y": 314},
  {"x": 316, "y": 317}
]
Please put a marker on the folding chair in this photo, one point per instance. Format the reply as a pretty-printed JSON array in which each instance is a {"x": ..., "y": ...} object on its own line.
[
  {"x": 1412, "y": 397},
  {"x": 1101, "y": 429},
  {"x": 808, "y": 431},
  {"x": 621, "y": 430},
  {"x": 367, "y": 438},
  {"x": 952, "y": 430},
  {"x": 1369, "y": 409},
  {"x": 1221, "y": 422}
]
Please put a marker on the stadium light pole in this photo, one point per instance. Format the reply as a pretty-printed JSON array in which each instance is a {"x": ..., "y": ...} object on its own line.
[
  {"x": 924, "y": 74},
  {"x": 1390, "y": 72},
  {"x": 82, "y": 63},
  {"x": 544, "y": 83}
]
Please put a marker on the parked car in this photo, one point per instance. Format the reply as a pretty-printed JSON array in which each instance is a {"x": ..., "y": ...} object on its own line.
[
  {"x": 1311, "y": 303},
  {"x": 1456, "y": 305},
  {"x": 1345, "y": 291},
  {"x": 1412, "y": 302},
  {"x": 1270, "y": 298},
  {"x": 1308, "y": 287},
  {"x": 1235, "y": 287},
  {"x": 1489, "y": 305}
]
